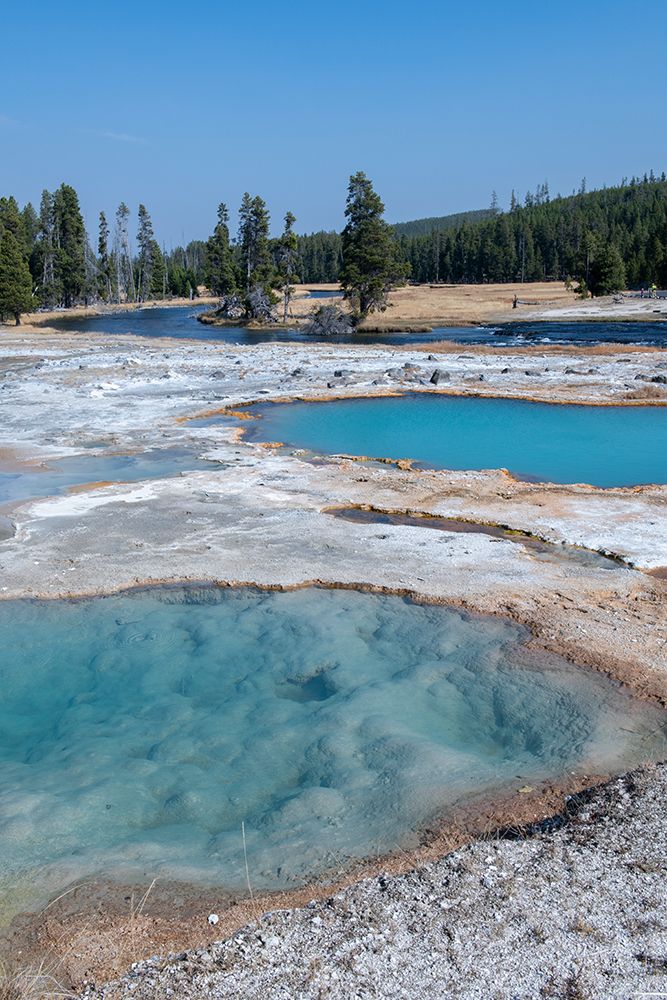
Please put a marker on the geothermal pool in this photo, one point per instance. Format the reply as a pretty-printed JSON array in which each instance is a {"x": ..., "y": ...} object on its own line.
[
  {"x": 600, "y": 445},
  {"x": 54, "y": 476},
  {"x": 139, "y": 731}
]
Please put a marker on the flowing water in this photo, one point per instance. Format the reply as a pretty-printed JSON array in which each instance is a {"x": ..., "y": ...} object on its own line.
[
  {"x": 138, "y": 732},
  {"x": 178, "y": 321},
  {"x": 601, "y": 445}
]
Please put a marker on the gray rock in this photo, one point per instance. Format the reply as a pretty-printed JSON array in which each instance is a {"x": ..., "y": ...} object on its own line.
[{"x": 439, "y": 376}]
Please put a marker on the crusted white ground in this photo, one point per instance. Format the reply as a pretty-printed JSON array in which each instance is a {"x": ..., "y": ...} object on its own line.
[
  {"x": 605, "y": 308},
  {"x": 259, "y": 516}
]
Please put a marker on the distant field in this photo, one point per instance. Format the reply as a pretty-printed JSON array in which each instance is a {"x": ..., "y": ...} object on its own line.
[{"x": 452, "y": 305}]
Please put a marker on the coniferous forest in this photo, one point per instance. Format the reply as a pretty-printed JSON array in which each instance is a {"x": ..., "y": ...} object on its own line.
[{"x": 605, "y": 240}]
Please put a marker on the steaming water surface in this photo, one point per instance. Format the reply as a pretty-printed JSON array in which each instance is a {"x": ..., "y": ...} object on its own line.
[{"x": 137, "y": 732}]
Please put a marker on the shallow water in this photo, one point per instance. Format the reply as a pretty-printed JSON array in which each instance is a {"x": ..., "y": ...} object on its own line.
[
  {"x": 650, "y": 333},
  {"x": 177, "y": 321},
  {"x": 161, "y": 321},
  {"x": 59, "y": 475},
  {"x": 540, "y": 550},
  {"x": 137, "y": 732},
  {"x": 600, "y": 445}
]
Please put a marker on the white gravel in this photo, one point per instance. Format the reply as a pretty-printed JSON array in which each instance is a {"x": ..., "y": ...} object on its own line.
[{"x": 578, "y": 913}]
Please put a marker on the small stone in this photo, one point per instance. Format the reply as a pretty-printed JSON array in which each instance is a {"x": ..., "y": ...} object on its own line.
[
  {"x": 439, "y": 376},
  {"x": 213, "y": 919}
]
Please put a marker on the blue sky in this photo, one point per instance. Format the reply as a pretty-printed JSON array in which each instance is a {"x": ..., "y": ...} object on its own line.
[{"x": 181, "y": 106}]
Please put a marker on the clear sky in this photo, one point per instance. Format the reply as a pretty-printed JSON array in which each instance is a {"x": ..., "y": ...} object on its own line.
[{"x": 184, "y": 105}]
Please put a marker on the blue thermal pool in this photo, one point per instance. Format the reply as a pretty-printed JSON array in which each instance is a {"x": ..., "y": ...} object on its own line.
[
  {"x": 138, "y": 732},
  {"x": 601, "y": 445}
]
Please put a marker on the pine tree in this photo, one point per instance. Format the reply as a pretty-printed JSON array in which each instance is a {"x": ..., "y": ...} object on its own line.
[
  {"x": 103, "y": 260},
  {"x": 370, "y": 253},
  {"x": 220, "y": 273},
  {"x": 287, "y": 257},
  {"x": 608, "y": 272},
  {"x": 157, "y": 288},
  {"x": 146, "y": 241},
  {"x": 254, "y": 243},
  {"x": 70, "y": 243},
  {"x": 15, "y": 278},
  {"x": 30, "y": 221},
  {"x": 11, "y": 220},
  {"x": 125, "y": 289},
  {"x": 44, "y": 255}
]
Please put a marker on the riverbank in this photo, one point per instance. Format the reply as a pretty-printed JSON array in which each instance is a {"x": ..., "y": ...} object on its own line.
[
  {"x": 43, "y": 318},
  {"x": 412, "y": 309},
  {"x": 262, "y": 517},
  {"x": 422, "y": 308}
]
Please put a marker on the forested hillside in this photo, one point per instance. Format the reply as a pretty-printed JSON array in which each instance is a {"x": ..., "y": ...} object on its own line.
[
  {"x": 321, "y": 257},
  {"x": 607, "y": 239},
  {"x": 617, "y": 233},
  {"x": 441, "y": 223}
]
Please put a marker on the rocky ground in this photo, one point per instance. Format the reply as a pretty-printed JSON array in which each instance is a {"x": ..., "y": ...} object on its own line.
[{"x": 576, "y": 913}]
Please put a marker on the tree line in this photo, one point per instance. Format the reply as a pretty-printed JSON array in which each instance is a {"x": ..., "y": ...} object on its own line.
[
  {"x": 606, "y": 240},
  {"x": 47, "y": 261}
]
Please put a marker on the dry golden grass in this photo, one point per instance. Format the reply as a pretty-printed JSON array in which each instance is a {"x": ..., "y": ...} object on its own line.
[
  {"x": 423, "y": 306},
  {"x": 30, "y": 984},
  {"x": 463, "y": 304}
]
